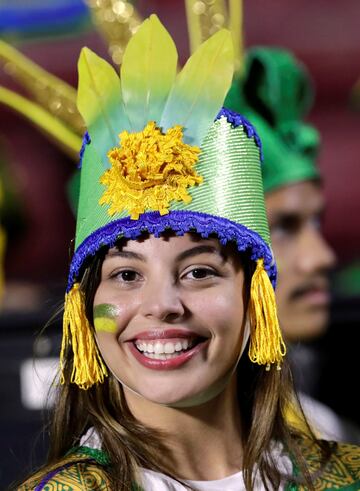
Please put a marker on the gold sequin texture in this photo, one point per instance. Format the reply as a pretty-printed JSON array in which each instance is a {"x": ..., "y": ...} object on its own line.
[{"x": 149, "y": 170}]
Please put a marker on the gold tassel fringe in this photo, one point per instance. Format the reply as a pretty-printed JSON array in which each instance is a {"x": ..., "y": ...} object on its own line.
[
  {"x": 88, "y": 366},
  {"x": 266, "y": 343}
]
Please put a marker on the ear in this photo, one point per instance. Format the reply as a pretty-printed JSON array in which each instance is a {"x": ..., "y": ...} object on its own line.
[{"x": 246, "y": 331}]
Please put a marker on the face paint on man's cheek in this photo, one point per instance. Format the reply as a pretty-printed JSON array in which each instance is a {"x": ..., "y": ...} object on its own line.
[{"x": 105, "y": 317}]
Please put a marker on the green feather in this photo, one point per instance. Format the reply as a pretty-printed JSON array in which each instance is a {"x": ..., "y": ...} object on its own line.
[
  {"x": 200, "y": 88},
  {"x": 148, "y": 72},
  {"x": 99, "y": 102}
]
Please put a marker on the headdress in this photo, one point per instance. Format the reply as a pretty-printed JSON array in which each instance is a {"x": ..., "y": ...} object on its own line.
[
  {"x": 275, "y": 93},
  {"x": 161, "y": 154}
]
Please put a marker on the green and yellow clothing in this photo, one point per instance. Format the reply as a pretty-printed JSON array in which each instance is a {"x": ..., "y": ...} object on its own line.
[{"x": 85, "y": 469}]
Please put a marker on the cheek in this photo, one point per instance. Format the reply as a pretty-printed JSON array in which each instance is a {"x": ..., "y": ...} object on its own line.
[
  {"x": 104, "y": 324},
  {"x": 110, "y": 351},
  {"x": 113, "y": 311},
  {"x": 286, "y": 283},
  {"x": 287, "y": 275},
  {"x": 286, "y": 256},
  {"x": 221, "y": 311}
]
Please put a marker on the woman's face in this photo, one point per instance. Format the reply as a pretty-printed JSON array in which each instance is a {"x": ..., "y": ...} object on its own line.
[{"x": 169, "y": 315}]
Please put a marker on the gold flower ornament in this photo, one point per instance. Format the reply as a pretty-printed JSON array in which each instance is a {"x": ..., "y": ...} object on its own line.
[{"x": 149, "y": 169}]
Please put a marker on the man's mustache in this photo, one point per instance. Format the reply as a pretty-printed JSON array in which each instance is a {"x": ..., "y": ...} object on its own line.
[{"x": 309, "y": 286}]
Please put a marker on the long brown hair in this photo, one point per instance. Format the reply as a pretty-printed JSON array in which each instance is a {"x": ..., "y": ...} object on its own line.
[{"x": 263, "y": 397}]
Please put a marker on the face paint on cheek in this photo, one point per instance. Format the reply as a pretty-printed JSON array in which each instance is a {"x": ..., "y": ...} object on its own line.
[{"x": 104, "y": 317}]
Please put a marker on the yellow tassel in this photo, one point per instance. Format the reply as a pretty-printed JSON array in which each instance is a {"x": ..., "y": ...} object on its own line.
[
  {"x": 88, "y": 366},
  {"x": 266, "y": 342}
]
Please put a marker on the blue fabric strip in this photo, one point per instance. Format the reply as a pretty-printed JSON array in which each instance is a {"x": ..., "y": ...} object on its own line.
[
  {"x": 51, "y": 474},
  {"x": 180, "y": 222}
]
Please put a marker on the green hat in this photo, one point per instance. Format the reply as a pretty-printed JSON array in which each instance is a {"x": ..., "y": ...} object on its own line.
[
  {"x": 160, "y": 153},
  {"x": 275, "y": 93}
]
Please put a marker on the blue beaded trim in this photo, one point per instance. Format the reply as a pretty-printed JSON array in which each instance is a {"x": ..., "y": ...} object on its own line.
[
  {"x": 236, "y": 120},
  {"x": 86, "y": 141},
  {"x": 179, "y": 222}
]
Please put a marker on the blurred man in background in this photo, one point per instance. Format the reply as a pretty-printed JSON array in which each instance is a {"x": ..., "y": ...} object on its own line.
[{"x": 275, "y": 92}]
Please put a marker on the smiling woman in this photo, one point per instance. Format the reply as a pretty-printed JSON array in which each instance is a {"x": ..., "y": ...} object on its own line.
[
  {"x": 172, "y": 363},
  {"x": 176, "y": 312}
]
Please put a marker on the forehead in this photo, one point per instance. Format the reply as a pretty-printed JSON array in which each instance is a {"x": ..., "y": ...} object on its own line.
[
  {"x": 302, "y": 198},
  {"x": 168, "y": 241}
]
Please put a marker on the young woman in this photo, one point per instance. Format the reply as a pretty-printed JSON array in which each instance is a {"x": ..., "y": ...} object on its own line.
[{"x": 172, "y": 370}]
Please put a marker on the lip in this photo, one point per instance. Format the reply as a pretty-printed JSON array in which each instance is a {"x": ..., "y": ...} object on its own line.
[
  {"x": 155, "y": 334},
  {"x": 171, "y": 363},
  {"x": 316, "y": 297}
]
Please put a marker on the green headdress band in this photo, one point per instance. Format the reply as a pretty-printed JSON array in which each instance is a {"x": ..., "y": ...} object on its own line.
[
  {"x": 160, "y": 156},
  {"x": 275, "y": 93}
]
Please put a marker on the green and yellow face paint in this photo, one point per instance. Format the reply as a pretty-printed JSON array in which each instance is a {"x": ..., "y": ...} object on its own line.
[{"x": 104, "y": 318}]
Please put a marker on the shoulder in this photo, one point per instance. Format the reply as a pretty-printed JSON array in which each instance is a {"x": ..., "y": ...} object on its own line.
[
  {"x": 326, "y": 423},
  {"x": 344, "y": 465},
  {"x": 81, "y": 470},
  {"x": 342, "y": 469}
]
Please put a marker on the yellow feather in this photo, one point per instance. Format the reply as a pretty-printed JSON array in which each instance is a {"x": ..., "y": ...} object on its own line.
[
  {"x": 148, "y": 72},
  {"x": 99, "y": 102},
  {"x": 201, "y": 87}
]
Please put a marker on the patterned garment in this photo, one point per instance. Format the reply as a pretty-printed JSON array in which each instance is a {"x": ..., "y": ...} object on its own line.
[
  {"x": 84, "y": 470},
  {"x": 81, "y": 470},
  {"x": 341, "y": 472}
]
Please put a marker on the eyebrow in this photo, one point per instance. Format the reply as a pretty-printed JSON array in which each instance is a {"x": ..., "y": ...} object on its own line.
[
  {"x": 126, "y": 255},
  {"x": 282, "y": 215},
  {"x": 201, "y": 249},
  {"x": 194, "y": 251}
]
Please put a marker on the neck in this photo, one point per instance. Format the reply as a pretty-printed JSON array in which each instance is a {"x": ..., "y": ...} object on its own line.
[{"x": 205, "y": 440}]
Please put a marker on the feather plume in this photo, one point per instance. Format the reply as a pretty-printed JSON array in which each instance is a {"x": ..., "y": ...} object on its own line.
[
  {"x": 148, "y": 72},
  {"x": 52, "y": 126},
  {"x": 53, "y": 94},
  {"x": 200, "y": 88},
  {"x": 99, "y": 102}
]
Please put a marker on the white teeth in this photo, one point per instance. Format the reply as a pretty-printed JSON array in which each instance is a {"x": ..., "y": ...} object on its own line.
[
  {"x": 161, "y": 356},
  {"x": 163, "y": 351},
  {"x": 169, "y": 348},
  {"x": 185, "y": 344},
  {"x": 158, "y": 348}
]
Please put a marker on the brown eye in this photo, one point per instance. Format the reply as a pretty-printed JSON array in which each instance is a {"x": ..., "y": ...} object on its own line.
[
  {"x": 201, "y": 273},
  {"x": 286, "y": 226},
  {"x": 127, "y": 275}
]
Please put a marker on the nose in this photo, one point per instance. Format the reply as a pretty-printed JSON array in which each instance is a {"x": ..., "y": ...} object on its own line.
[
  {"x": 315, "y": 254},
  {"x": 161, "y": 300}
]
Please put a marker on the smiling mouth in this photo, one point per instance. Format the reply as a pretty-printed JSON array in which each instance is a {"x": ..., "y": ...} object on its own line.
[{"x": 166, "y": 349}]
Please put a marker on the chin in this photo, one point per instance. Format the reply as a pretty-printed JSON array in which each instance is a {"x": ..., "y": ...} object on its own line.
[
  {"x": 193, "y": 396},
  {"x": 307, "y": 327},
  {"x": 166, "y": 399}
]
